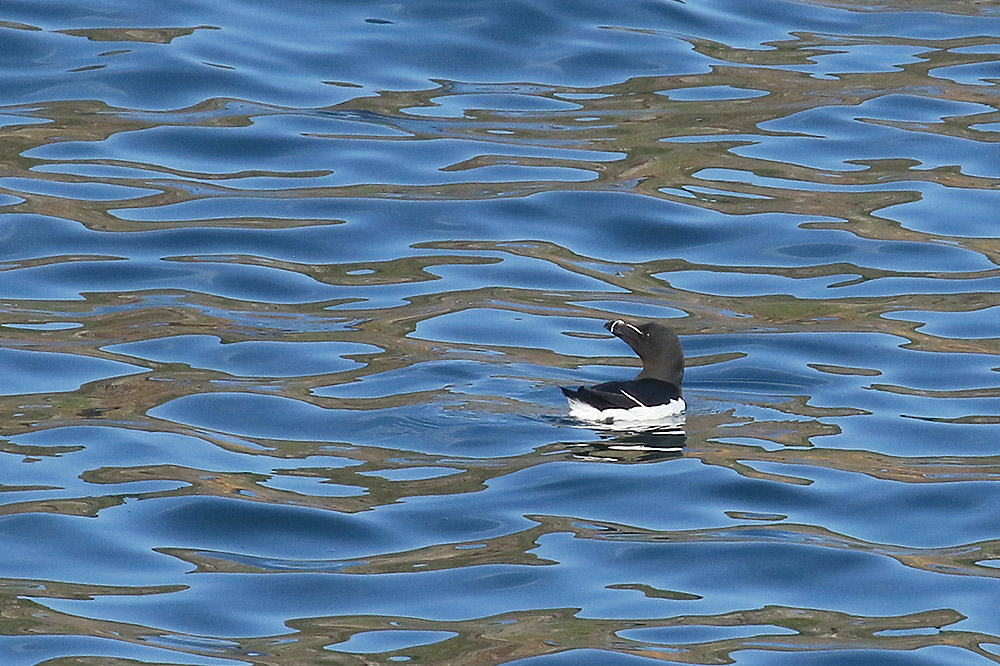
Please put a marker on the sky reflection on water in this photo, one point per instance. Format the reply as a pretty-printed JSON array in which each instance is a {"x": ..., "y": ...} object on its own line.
[{"x": 287, "y": 295}]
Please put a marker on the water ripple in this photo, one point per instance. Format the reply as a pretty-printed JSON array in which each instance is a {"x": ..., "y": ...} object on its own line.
[{"x": 286, "y": 296}]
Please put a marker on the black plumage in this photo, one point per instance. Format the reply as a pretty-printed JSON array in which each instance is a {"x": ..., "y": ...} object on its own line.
[{"x": 659, "y": 383}]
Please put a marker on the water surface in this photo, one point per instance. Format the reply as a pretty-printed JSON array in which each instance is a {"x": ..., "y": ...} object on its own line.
[{"x": 287, "y": 293}]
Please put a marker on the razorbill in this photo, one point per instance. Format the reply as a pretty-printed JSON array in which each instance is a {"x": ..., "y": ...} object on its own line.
[{"x": 653, "y": 398}]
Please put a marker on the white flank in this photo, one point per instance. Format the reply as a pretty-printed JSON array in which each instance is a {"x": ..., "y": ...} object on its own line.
[{"x": 670, "y": 415}]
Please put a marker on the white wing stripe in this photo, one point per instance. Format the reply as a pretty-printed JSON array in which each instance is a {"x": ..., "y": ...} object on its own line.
[{"x": 633, "y": 399}]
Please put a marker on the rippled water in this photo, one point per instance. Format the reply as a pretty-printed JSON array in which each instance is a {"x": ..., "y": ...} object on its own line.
[{"x": 288, "y": 290}]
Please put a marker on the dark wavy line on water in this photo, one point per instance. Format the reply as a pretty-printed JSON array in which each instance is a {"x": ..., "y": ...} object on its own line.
[{"x": 516, "y": 550}]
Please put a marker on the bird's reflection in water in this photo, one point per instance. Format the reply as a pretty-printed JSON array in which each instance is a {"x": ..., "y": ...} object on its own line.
[{"x": 634, "y": 447}]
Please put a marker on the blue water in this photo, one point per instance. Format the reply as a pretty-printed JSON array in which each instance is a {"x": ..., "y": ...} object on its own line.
[{"x": 287, "y": 291}]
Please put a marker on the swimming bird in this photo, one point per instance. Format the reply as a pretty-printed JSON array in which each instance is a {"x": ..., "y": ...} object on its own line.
[{"x": 653, "y": 398}]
